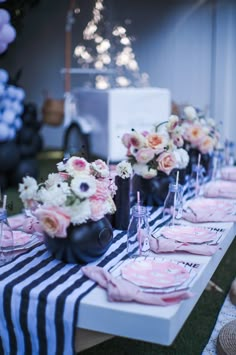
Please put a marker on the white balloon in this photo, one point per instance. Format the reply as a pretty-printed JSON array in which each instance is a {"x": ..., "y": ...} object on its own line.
[
  {"x": 4, "y": 16},
  {"x": 8, "y": 116},
  {"x": 3, "y": 76},
  {"x": 7, "y": 33},
  {"x": 4, "y": 131}
]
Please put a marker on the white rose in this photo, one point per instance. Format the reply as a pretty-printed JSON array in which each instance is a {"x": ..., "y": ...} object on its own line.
[
  {"x": 144, "y": 171},
  {"x": 182, "y": 158},
  {"x": 190, "y": 112}
]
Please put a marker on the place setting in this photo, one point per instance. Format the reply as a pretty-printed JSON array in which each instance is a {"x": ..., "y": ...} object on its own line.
[
  {"x": 203, "y": 209},
  {"x": 186, "y": 238},
  {"x": 157, "y": 274},
  {"x": 147, "y": 280}
]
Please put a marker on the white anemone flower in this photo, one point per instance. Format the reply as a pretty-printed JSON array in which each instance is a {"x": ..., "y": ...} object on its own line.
[{"x": 84, "y": 186}]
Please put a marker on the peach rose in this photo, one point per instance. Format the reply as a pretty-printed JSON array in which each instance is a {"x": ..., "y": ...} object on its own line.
[
  {"x": 53, "y": 221},
  {"x": 156, "y": 141},
  {"x": 166, "y": 162},
  {"x": 195, "y": 134},
  {"x": 206, "y": 145}
]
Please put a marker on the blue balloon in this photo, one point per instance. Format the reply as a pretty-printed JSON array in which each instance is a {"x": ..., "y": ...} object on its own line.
[
  {"x": 8, "y": 116},
  {"x": 4, "y": 132},
  {"x": 3, "y": 76}
]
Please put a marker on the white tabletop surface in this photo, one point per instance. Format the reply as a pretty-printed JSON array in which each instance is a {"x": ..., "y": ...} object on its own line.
[{"x": 153, "y": 324}]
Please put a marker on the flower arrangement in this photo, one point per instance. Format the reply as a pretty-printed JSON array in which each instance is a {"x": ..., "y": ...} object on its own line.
[
  {"x": 194, "y": 130},
  {"x": 124, "y": 169},
  {"x": 151, "y": 152},
  {"x": 80, "y": 191}
]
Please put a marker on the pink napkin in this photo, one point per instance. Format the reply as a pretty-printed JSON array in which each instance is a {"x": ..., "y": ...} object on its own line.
[
  {"x": 26, "y": 224},
  {"x": 122, "y": 290},
  {"x": 163, "y": 245},
  {"x": 220, "y": 188},
  {"x": 228, "y": 173},
  {"x": 210, "y": 210}
]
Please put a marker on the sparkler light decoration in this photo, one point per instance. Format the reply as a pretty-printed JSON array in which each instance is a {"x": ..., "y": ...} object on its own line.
[{"x": 105, "y": 53}]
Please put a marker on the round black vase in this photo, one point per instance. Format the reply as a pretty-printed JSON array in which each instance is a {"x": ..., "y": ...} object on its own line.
[
  {"x": 122, "y": 201},
  {"x": 152, "y": 191},
  {"x": 206, "y": 161},
  {"x": 84, "y": 243}
]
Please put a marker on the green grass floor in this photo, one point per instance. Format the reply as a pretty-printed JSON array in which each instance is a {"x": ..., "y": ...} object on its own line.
[{"x": 198, "y": 327}]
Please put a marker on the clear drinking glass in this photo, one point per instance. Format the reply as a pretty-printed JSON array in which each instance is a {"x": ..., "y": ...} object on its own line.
[
  {"x": 196, "y": 179},
  {"x": 138, "y": 233},
  {"x": 6, "y": 239},
  {"x": 218, "y": 162},
  {"x": 173, "y": 204}
]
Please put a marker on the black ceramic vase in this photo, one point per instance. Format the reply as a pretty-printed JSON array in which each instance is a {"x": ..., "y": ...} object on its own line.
[
  {"x": 84, "y": 243},
  {"x": 122, "y": 201},
  {"x": 206, "y": 161},
  {"x": 152, "y": 191}
]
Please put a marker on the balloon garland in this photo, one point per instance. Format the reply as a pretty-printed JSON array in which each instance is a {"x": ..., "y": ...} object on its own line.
[
  {"x": 7, "y": 32},
  {"x": 11, "y": 108}
]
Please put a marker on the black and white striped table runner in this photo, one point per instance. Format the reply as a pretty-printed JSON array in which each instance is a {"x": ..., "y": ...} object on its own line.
[{"x": 40, "y": 296}]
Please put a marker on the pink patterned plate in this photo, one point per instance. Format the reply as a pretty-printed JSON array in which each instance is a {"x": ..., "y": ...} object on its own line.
[
  {"x": 154, "y": 273},
  {"x": 188, "y": 234}
]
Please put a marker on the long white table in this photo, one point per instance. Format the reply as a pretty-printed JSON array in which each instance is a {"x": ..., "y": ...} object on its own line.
[{"x": 100, "y": 319}]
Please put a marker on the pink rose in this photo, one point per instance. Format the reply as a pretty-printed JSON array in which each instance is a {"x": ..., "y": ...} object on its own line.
[
  {"x": 102, "y": 190},
  {"x": 144, "y": 155},
  {"x": 126, "y": 140},
  {"x": 145, "y": 133},
  {"x": 98, "y": 209},
  {"x": 166, "y": 162},
  {"x": 77, "y": 165},
  {"x": 178, "y": 140},
  {"x": 172, "y": 123},
  {"x": 53, "y": 220},
  {"x": 137, "y": 140},
  {"x": 100, "y": 168},
  {"x": 64, "y": 176}
]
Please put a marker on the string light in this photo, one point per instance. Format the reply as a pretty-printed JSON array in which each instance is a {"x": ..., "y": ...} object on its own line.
[{"x": 102, "y": 56}]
